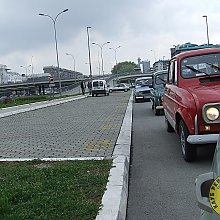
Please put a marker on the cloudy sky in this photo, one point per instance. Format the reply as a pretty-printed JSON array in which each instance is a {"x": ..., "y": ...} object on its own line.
[{"x": 143, "y": 28}]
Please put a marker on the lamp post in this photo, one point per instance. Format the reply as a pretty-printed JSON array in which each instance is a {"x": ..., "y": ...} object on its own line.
[
  {"x": 101, "y": 48},
  {"x": 207, "y": 28},
  {"x": 154, "y": 55},
  {"x": 32, "y": 66},
  {"x": 56, "y": 47},
  {"x": 74, "y": 64},
  {"x": 25, "y": 67},
  {"x": 89, "y": 54},
  {"x": 116, "y": 68}
]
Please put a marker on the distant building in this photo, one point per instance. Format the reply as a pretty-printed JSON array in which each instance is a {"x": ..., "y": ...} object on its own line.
[
  {"x": 14, "y": 77},
  {"x": 160, "y": 65},
  {"x": 188, "y": 46},
  {"x": 7, "y": 77},
  {"x": 64, "y": 73},
  {"x": 144, "y": 65}
]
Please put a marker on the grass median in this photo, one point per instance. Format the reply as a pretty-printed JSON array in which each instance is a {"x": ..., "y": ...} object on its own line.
[
  {"x": 52, "y": 190},
  {"x": 29, "y": 99}
]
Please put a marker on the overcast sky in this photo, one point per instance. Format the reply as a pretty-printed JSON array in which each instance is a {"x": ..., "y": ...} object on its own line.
[{"x": 143, "y": 28}]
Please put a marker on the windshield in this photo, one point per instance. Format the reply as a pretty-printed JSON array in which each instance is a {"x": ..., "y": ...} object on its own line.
[
  {"x": 142, "y": 82},
  {"x": 161, "y": 79},
  {"x": 201, "y": 65}
]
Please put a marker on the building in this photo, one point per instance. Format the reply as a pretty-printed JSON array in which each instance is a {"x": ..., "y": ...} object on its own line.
[
  {"x": 160, "y": 65},
  {"x": 7, "y": 77},
  {"x": 14, "y": 77},
  {"x": 144, "y": 65},
  {"x": 64, "y": 73}
]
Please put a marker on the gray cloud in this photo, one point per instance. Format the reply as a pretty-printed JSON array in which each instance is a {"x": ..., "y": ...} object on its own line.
[{"x": 138, "y": 26}]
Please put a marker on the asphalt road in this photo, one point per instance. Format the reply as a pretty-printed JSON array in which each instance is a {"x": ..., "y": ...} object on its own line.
[{"x": 161, "y": 184}]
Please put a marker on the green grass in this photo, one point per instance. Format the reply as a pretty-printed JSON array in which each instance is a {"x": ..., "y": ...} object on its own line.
[
  {"x": 29, "y": 99},
  {"x": 52, "y": 190}
]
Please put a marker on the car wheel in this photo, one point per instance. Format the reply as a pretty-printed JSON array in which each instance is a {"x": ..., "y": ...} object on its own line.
[
  {"x": 135, "y": 100},
  {"x": 152, "y": 106},
  {"x": 92, "y": 95},
  {"x": 188, "y": 150},
  {"x": 156, "y": 111},
  {"x": 169, "y": 128},
  {"x": 110, "y": 90},
  {"x": 125, "y": 90}
]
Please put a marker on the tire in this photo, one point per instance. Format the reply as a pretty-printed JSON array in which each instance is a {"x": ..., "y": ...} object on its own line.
[
  {"x": 169, "y": 128},
  {"x": 92, "y": 95},
  {"x": 110, "y": 90},
  {"x": 156, "y": 111},
  {"x": 135, "y": 100},
  {"x": 188, "y": 150},
  {"x": 125, "y": 90},
  {"x": 152, "y": 106}
]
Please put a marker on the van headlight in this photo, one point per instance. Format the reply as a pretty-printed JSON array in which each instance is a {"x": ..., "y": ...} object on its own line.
[{"x": 212, "y": 113}]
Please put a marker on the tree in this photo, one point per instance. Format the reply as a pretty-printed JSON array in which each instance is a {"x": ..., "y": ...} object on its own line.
[{"x": 124, "y": 67}]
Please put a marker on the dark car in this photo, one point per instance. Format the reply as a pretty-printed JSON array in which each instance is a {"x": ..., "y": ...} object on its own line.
[{"x": 158, "y": 83}]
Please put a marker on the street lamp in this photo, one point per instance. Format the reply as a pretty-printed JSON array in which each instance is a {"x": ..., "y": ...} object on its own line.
[
  {"x": 55, "y": 36},
  {"x": 89, "y": 54},
  {"x": 116, "y": 68},
  {"x": 26, "y": 68},
  {"x": 207, "y": 28},
  {"x": 74, "y": 64},
  {"x": 101, "y": 47},
  {"x": 154, "y": 55}
]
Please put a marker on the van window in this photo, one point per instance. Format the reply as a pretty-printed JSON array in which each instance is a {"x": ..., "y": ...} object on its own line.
[{"x": 97, "y": 83}]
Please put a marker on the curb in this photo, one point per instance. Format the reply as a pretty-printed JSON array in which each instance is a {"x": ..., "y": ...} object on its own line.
[{"x": 114, "y": 200}]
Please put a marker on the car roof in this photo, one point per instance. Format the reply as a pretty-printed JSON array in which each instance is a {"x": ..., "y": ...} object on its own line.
[
  {"x": 99, "y": 80},
  {"x": 160, "y": 72},
  {"x": 141, "y": 78},
  {"x": 197, "y": 52}
]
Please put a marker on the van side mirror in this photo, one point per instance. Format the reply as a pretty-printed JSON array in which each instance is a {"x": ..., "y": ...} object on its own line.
[{"x": 203, "y": 183}]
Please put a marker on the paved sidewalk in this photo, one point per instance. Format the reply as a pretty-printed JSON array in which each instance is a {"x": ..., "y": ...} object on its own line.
[{"x": 87, "y": 127}]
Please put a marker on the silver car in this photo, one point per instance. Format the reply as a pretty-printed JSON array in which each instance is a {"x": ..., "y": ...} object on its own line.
[{"x": 142, "y": 88}]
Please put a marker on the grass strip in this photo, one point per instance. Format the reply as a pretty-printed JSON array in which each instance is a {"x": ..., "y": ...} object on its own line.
[
  {"x": 29, "y": 99},
  {"x": 52, "y": 190}
]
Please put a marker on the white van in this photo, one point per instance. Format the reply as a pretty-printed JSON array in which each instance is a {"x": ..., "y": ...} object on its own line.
[{"x": 99, "y": 86}]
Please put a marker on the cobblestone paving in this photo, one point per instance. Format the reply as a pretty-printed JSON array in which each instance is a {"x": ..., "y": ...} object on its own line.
[{"x": 83, "y": 128}]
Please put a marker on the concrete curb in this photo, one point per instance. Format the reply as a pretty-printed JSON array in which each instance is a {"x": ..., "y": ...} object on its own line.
[{"x": 114, "y": 200}]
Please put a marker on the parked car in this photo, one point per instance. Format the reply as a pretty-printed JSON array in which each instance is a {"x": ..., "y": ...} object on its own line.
[
  {"x": 208, "y": 190},
  {"x": 142, "y": 89},
  {"x": 192, "y": 99},
  {"x": 158, "y": 83},
  {"x": 119, "y": 87},
  {"x": 99, "y": 87}
]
